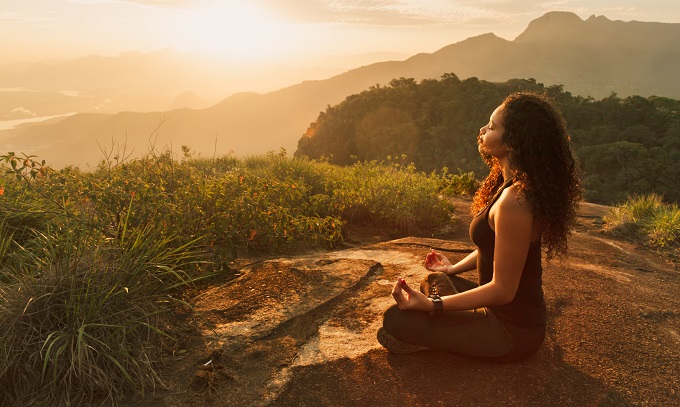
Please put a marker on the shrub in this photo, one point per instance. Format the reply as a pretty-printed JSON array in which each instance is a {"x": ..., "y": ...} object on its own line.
[
  {"x": 664, "y": 228},
  {"x": 646, "y": 218},
  {"x": 459, "y": 184},
  {"x": 392, "y": 195},
  {"x": 82, "y": 317},
  {"x": 93, "y": 261}
]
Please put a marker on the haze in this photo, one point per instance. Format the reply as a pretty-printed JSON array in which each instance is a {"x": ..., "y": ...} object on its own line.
[
  {"x": 277, "y": 30},
  {"x": 319, "y": 38},
  {"x": 61, "y": 57}
]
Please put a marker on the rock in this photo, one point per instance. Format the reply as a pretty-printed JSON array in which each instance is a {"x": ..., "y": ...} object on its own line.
[{"x": 300, "y": 331}]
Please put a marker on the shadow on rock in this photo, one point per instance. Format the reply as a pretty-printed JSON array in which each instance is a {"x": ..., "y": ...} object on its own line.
[{"x": 443, "y": 379}]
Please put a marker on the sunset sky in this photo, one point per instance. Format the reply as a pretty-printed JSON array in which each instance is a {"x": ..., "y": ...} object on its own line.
[{"x": 281, "y": 29}]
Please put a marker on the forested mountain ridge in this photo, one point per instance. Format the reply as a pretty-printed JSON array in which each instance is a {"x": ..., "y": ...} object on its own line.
[
  {"x": 625, "y": 146},
  {"x": 595, "y": 57},
  {"x": 592, "y": 57}
]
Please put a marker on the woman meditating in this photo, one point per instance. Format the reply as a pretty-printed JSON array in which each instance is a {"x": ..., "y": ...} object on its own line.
[{"x": 526, "y": 204}]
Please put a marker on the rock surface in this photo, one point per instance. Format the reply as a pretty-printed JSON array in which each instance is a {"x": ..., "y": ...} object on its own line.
[{"x": 301, "y": 331}]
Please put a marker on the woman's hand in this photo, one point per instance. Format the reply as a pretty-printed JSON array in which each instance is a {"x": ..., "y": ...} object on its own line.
[
  {"x": 410, "y": 299},
  {"x": 437, "y": 262}
]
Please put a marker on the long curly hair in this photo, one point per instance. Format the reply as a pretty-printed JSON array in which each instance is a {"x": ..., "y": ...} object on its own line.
[{"x": 542, "y": 161}]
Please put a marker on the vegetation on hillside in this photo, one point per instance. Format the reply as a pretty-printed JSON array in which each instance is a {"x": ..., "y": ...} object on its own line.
[
  {"x": 625, "y": 146},
  {"x": 93, "y": 262},
  {"x": 647, "y": 219}
]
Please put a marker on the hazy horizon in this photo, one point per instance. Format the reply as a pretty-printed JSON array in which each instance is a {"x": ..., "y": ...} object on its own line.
[
  {"x": 280, "y": 32},
  {"x": 163, "y": 56},
  {"x": 232, "y": 46}
]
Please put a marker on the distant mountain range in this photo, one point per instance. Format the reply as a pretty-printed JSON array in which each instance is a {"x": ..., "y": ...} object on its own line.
[
  {"x": 152, "y": 81},
  {"x": 595, "y": 57}
]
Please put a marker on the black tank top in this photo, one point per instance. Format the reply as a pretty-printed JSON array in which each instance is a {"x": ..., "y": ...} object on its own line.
[{"x": 527, "y": 309}]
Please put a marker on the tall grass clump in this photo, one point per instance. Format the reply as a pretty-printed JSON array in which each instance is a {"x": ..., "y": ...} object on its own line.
[
  {"x": 83, "y": 319},
  {"x": 82, "y": 307},
  {"x": 92, "y": 263},
  {"x": 646, "y": 218}
]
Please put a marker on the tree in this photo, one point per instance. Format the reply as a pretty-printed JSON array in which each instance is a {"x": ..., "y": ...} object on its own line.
[{"x": 623, "y": 145}]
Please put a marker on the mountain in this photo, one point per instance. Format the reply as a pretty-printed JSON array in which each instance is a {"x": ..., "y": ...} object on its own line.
[
  {"x": 190, "y": 100},
  {"x": 136, "y": 81},
  {"x": 592, "y": 57},
  {"x": 129, "y": 81}
]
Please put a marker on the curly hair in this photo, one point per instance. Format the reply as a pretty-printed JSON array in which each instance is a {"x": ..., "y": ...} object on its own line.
[{"x": 541, "y": 160}]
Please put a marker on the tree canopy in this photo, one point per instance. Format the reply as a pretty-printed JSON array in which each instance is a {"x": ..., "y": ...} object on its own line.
[{"x": 624, "y": 146}]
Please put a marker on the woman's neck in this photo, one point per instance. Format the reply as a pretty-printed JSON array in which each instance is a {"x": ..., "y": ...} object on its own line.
[{"x": 505, "y": 168}]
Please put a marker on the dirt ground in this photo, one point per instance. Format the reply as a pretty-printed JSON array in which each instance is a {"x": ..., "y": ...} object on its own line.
[{"x": 299, "y": 330}]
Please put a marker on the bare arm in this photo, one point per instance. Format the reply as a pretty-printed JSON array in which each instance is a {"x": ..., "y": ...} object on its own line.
[
  {"x": 467, "y": 264},
  {"x": 444, "y": 265},
  {"x": 512, "y": 221}
]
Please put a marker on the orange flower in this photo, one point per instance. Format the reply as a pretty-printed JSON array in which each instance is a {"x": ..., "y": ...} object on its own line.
[
  {"x": 252, "y": 234},
  {"x": 2, "y": 190}
]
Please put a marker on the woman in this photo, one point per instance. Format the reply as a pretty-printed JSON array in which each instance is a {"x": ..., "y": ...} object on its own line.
[{"x": 528, "y": 200}]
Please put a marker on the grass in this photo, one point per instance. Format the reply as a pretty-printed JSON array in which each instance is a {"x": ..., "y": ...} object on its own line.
[
  {"x": 647, "y": 219},
  {"x": 93, "y": 263},
  {"x": 82, "y": 316}
]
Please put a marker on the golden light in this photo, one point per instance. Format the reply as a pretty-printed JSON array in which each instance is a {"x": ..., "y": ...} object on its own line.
[{"x": 233, "y": 29}]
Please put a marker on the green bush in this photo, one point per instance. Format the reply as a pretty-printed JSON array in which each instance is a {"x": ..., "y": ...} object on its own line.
[
  {"x": 647, "y": 218},
  {"x": 664, "y": 230},
  {"x": 459, "y": 184},
  {"x": 392, "y": 195},
  {"x": 82, "y": 316},
  {"x": 92, "y": 262}
]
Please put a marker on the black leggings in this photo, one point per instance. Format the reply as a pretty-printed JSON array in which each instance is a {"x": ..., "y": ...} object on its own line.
[{"x": 477, "y": 333}]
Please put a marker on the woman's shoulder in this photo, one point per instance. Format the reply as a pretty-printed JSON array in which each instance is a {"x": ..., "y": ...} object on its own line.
[
  {"x": 514, "y": 199},
  {"x": 512, "y": 210}
]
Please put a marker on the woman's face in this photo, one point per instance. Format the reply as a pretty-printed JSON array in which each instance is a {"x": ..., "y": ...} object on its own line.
[{"x": 490, "y": 139}]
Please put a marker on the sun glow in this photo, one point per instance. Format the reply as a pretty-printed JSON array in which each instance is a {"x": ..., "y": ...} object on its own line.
[{"x": 234, "y": 30}]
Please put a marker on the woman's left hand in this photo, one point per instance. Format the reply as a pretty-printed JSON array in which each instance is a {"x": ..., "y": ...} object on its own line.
[{"x": 410, "y": 299}]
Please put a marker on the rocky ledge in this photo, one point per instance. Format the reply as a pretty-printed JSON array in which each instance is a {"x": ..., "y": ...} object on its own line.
[{"x": 301, "y": 331}]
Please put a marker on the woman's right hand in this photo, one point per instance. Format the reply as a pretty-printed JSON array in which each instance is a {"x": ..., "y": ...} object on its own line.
[{"x": 436, "y": 261}]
